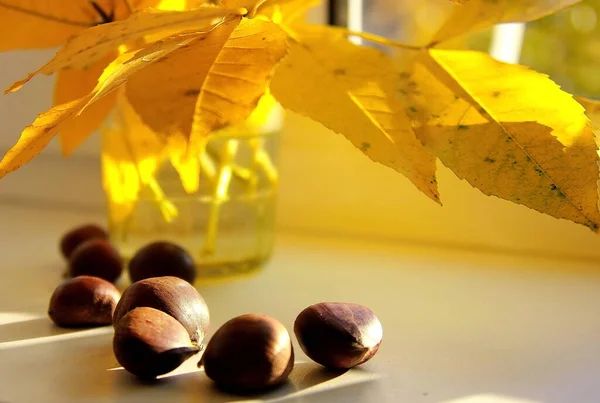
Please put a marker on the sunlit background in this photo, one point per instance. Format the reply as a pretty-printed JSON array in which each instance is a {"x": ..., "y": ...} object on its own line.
[{"x": 565, "y": 45}]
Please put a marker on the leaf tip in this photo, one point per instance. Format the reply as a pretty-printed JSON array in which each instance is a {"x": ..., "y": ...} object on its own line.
[
  {"x": 16, "y": 86},
  {"x": 435, "y": 195}
]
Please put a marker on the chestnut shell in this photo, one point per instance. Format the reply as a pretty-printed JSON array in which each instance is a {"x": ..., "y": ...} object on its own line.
[
  {"x": 338, "y": 335},
  {"x": 83, "y": 301},
  {"x": 172, "y": 295},
  {"x": 249, "y": 353},
  {"x": 98, "y": 258},
  {"x": 160, "y": 259},
  {"x": 149, "y": 343}
]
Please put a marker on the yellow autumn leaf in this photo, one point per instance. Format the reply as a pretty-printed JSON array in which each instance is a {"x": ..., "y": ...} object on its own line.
[
  {"x": 352, "y": 90},
  {"x": 93, "y": 44},
  {"x": 221, "y": 77},
  {"x": 120, "y": 70},
  {"x": 37, "y": 136},
  {"x": 477, "y": 15},
  {"x": 48, "y": 124},
  {"x": 36, "y": 24},
  {"x": 239, "y": 76},
  {"x": 167, "y": 106},
  {"x": 131, "y": 155},
  {"x": 460, "y": 1},
  {"x": 73, "y": 84},
  {"x": 508, "y": 131}
]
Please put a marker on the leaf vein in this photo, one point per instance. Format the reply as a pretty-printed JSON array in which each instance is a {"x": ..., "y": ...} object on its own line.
[
  {"x": 46, "y": 16},
  {"x": 234, "y": 77}
]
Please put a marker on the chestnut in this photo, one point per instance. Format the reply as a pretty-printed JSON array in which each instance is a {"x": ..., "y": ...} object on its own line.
[
  {"x": 162, "y": 259},
  {"x": 149, "y": 343},
  {"x": 83, "y": 301},
  {"x": 78, "y": 235},
  {"x": 98, "y": 258},
  {"x": 249, "y": 353},
  {"x": 172, "y": 295},
  {"x": 338, "y": 335}
]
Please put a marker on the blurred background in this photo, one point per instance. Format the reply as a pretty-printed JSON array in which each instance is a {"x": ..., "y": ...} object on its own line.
[
  {"x": 328, "y": 186},
  {"x": 565, "y": 45}
]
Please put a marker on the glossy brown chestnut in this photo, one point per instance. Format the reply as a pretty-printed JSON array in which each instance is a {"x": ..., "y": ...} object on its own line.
[
  {"x": 98, "y": 258},
  {"x": 83, "y": 301},
  {"x": 78, "y": 235},
  {"x": 249, "y": 353},
  {"x": 172, "y": 295},
  {"x": 149, "y": 343},
  {"x": 338, "y": 335},
  {"x": 162, "y": 259}
]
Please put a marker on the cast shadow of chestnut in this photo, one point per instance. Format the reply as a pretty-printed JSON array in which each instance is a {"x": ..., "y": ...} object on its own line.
[
  {"x": 32, "y": 329},
  {"x": 196, "y": 387}
]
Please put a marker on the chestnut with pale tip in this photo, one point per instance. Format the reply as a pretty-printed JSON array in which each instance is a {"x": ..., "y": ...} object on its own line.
[
  {"x": 149, "y": 343},
  {"x": 98, "y": 258},
  {"x": 338, "y": 335},
  {"x": 171, "y": 295},
  {"x": 249, "y": 353},
  {"x": 83, "y": 301},
  {"x": 78, "y": 235}
]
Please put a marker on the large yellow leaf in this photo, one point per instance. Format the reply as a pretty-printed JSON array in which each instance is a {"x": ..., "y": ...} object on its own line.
[
  {"x": 352, "y": 91},
  {"x": 223, "y": 75},
  {"x": 481, "y": 14},
  {"x": 37, "y": 136},
  {"x": 93, "y": 44},
  {"x": 32, "y": 24},
  {"x": 127, "y": 65},
  {"x": 507, "y": 130},
  {"x": 167, "y": 106},
  {"x": 48, "y": 124},
  {"x": 120, "y": 70},
  {"x": 73, "y": 84},
  {"x": 239, "y": 76}
]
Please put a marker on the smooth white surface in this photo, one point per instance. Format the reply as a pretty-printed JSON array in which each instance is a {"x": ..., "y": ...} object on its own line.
[{"x": 458, "y": 327}]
